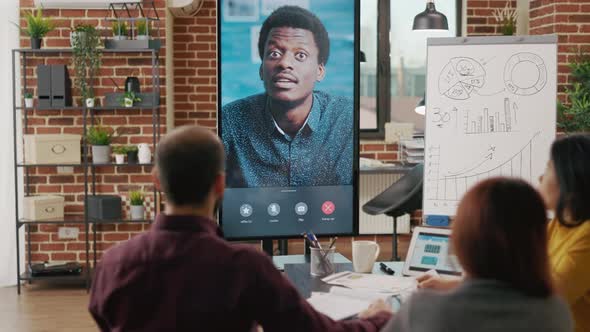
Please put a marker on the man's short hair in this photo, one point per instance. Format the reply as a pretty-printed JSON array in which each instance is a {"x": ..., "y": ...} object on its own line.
[
  {"x": 189, "y": 159},
  {"x": 298, "y": 18}
]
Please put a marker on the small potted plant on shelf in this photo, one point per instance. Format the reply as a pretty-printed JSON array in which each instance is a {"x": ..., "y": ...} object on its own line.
[
  {"x": 143, "y": 29},
  {"x": 136, "y": 198},
  {"x": 37, "y": 27},
  {"x": 100, "y": 138},
  {"x": 79, "y": 34},
  {"x": 507, "y": 19},
  {"x": 132, "y": 154},
  {"x": 119, "y": 29},
  {"x": 120, "y": 152},
  {"x": 129, "y": 98},
  {"x": 28, "y": 99}
]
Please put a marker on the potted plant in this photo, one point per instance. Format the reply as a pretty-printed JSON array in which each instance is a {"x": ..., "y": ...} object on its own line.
[
  {"x": 136, "y": 198},
  {"x": 100, "y": 138},
  {"x": 143, "y": 29},
  {"x": 120, "y": 152},
  {"x": 574, "y": 115},
  {"x": 86, "y": 60},
  {"x": 129, "y": 98},
  {"x": 37, "y": 27},
  {"x": 132, "y": 154},
  {"x": 506, "y": 18},
  {"x": 28, "y": 99},
  {"x": 119, "y": 29}
]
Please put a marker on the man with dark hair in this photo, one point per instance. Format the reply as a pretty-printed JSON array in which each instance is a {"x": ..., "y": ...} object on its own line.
[
  {"x": 182, "y": 275},
  {"x": 290, "y": 135}
]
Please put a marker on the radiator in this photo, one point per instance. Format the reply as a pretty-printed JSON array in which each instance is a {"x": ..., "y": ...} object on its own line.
[{"x": 370, "y": 186}]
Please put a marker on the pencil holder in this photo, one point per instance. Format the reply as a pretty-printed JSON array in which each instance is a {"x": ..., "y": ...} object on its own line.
[{"x": 322, "y": 262}]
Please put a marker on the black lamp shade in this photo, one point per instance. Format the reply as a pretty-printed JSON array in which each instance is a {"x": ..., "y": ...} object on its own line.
[{"x": 430, "y": 19}]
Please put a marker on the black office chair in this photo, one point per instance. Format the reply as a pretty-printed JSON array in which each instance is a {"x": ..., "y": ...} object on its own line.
[{"x": 403, "y": 196}]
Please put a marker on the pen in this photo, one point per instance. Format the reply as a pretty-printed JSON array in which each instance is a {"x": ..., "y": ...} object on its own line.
[{"x": 386, "y": 269}]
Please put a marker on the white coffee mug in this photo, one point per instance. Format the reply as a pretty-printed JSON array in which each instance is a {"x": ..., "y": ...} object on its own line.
[{"x": 364, "y": 254}]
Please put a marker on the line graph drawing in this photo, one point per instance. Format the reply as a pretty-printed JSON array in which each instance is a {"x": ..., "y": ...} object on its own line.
[
  {"x": 491, "y": 122},
  {"x": 450, "y": 187},
  {"x": 460, "y": 77},
  {"x": 525, "y": 74}
]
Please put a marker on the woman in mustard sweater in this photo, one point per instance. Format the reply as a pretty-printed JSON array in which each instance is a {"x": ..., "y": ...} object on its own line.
[{"x": 565, "y": 188}]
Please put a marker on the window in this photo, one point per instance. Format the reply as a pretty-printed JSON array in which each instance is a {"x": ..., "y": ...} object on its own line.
[{"x": 391, "y": 87}]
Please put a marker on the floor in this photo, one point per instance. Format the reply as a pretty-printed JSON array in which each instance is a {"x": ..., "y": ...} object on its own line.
[
  {"x": 45, "y": 308},
  {"x": 48, "y": 307}
]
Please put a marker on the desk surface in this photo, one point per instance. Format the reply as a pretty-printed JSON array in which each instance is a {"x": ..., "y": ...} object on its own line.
[
  {"x": 306, "y": 283},
  {"x": 280, "y": 261}
]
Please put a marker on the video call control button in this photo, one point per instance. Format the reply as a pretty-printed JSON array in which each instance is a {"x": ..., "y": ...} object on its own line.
[
  {"x": 328, "y": 208},
  {"x": 274, "y": 209},
  {"x": 301, "y": 208},
  {"x": 246, "y": 210}
]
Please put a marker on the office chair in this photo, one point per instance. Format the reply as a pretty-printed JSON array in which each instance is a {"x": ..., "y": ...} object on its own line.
[{"x": 403, "y": 196}]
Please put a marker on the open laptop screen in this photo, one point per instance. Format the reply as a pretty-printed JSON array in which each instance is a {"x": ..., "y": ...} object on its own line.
[{"x": 430, "y": 250}]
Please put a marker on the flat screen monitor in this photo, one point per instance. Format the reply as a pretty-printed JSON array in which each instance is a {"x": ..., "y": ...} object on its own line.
[{"x": 288, "y": 119}]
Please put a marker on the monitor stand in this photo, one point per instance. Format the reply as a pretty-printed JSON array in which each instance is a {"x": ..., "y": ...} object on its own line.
[{"x": 267, "y": 246}]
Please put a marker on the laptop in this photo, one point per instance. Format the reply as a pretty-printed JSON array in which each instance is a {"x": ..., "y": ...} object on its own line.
[{"x": 429, "y": 250}]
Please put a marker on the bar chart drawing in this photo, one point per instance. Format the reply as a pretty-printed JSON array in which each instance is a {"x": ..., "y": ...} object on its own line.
[
  {"x": 444, "y": 188},
  {"x": 487, "y": 121}
]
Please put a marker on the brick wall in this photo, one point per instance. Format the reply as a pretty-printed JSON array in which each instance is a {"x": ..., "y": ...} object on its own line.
[
  {"x": 480, "y": 21},
  {"x": 136, "y": 125},
  {"x": 570, "y": 20}
]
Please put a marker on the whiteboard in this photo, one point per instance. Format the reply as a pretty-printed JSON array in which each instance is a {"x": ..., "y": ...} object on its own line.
[{"x": 490, "y": 111}]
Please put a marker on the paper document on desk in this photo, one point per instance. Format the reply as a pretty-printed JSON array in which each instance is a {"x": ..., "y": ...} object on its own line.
[
  {"x": 375, "y": 282},
  {"x": 341, "y": 303}
]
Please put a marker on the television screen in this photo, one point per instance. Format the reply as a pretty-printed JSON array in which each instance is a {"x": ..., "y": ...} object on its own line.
[{"x": 288, "y": 101}]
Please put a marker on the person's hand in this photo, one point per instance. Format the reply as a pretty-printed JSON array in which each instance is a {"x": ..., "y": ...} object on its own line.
[
  {"x": 436, "y": 282},
  {"x": 375, "y": 308}
]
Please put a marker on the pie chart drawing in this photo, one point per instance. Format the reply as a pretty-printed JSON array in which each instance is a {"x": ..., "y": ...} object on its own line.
[
  {"x": 460, "y": 77},
  {"x": 525, "y": 74}
]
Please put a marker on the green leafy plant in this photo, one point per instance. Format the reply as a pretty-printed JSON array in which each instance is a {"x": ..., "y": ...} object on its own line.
[
  {"x": 132, "y": 148},
  {"x": 28, "y": 95},
  {"x": 574, "y": 115},
  {"x": 86, "y": 58},
  {"x": 119, "y": 28},
  {"x": 142, "y": 27},
  {"x": 128, "y": 95},
  {"x": 120, "y": 149},
  {"x": 84, "y": 28},
  {"x": 506, "y": 18},
  {"x": 37, "y": 25},
  {"x": 98, "y": 135},
  {"x": 136, "y": 197}
]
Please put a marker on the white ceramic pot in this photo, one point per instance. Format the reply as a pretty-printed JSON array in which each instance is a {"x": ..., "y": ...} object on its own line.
[
  {"x": 144, "y": 154},
  {"x": 89, "y": 102},
  {"x": 120, "y": 158},
  {"x": 120, "y": 37},
  {"x": 137, "y": 212},
  {"x": 128, "y": 102},
  {"x": 143, "y": 37},
  {"x": 29, "y": 102},
  {"x": 101, "y": 154}
]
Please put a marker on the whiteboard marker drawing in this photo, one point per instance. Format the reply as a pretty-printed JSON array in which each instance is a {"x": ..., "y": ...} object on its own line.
[
  {"x": 525, "y": 74},
  {"x": 460, "y": 77}
]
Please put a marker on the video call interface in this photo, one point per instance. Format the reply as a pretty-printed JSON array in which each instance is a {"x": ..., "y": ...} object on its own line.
[
  {"x": 431, "y": 251},
  {"x": 283, "y": 177}
]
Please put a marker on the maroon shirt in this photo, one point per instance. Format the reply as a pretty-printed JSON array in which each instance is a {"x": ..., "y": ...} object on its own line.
[{"x": 183, "y": 276}]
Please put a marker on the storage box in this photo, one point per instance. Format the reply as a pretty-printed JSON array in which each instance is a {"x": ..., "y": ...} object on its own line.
[
  {"x": 104, "y": 207},
  {"x": 43, "y": 207},
  {"x": 52, "y": 149}
]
